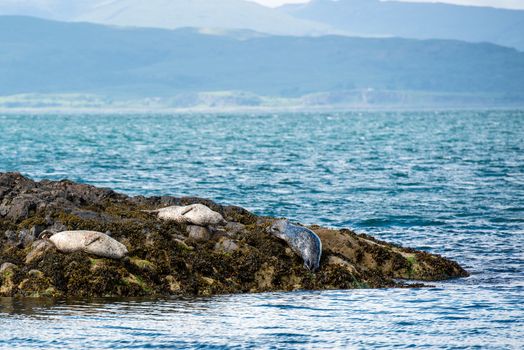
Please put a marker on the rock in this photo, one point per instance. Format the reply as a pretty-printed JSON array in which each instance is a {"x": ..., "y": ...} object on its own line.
[
  {"x": 35, "y": 274},
  {"x": 198, "y": 233},
  {"x": 25, "y": 238},
  {"x": 7, "y": 275},
  {"x": 57, "y": 227},
  {"x": 239, "y": 215},
  {"x": 183, "y": 244},
  {"x": 38, "y": 250},
  {"x": 238, "y": 258},
  {"x": 12, "y": 237},
  {"x": 90, "y": 242},
  {"x": 21, "y": 239},
  {"x": 151, "y": 239},
  {"x": 21, "y": 209},
  {"x": 335, "y": 260},
  {"x": 226, "y": 245},
  {"x": 4, "y": 209},
  {"x": 264, "y": 277},
  {"x": 209, "y": 281},
  {"x": 372, "y": 255},
  {"x": 37, "y": 285},
  {"x": 143, "y": 265},
  {"x": 233, "y": 229},
  {"x": 173, "y": 284},
  {"x": 7, "y": 266}
]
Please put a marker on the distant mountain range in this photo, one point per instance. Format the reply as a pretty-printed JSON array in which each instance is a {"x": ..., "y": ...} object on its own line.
[
  {"x": 41, "y": 56},
  {"x": 168, "y": 14},
  {"x": 64, "y": 10},
  {"x": 368, "y": 18},
  {"x": 416, "y": 20}
]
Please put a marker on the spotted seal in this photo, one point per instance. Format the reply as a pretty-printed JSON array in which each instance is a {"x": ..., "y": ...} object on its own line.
[
  {"x": 195, "y": 214},
  {"x": 302, "y": 241},
  {"x": 90, "y": 242}
]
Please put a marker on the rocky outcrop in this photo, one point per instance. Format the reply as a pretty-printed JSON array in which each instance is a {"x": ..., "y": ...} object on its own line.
[{"x": 167, "y": 257}]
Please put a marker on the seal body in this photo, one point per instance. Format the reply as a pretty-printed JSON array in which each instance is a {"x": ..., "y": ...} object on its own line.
[
  {"x": 195, "y": 214},
  {"x": 301, "y": 240},
  {"x": 91, "y": 242}
]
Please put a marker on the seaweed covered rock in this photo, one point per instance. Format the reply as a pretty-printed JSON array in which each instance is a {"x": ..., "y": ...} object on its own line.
[{"x": 168, "y": 257}]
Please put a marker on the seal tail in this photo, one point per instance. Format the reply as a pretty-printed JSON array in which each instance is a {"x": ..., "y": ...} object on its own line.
[{"x": 150, "y": 211}]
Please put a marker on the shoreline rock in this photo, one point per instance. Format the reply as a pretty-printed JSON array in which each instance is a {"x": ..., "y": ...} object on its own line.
[{"x": 170, "y": 258}]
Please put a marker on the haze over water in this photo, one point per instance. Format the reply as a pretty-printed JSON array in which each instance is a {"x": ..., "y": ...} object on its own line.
[{"x": 450, "y": 183}]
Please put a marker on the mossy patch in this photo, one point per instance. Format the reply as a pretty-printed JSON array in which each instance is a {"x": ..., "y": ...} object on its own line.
[{"x": 163, "y": 261}]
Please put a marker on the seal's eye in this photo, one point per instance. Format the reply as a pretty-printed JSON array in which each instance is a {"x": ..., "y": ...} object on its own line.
[{"x": 274, "y": 230}]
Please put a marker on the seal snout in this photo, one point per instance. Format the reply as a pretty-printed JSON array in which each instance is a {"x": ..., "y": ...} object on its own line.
[{"x": 278, "y": 229}]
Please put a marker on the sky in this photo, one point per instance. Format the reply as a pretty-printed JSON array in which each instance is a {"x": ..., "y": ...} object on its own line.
[{"x": 518, "y": 4}]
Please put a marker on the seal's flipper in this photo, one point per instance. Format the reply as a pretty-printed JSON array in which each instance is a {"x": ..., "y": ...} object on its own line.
[
  {"x": 187, "y": 211},
  {"x": 92, "y": 240}
]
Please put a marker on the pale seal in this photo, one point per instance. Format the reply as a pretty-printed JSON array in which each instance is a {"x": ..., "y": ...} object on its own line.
[
  {"x": 90, "y": 242},
  {"x": 302, "y": 241},
  {"x": 195, "y": 214}
]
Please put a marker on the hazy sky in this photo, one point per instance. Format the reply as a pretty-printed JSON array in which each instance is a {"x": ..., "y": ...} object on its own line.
[{"x": 495, "y": 3}]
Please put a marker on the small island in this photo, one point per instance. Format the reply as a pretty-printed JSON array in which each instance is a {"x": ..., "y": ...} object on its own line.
[{"x": 169, "y": 258}]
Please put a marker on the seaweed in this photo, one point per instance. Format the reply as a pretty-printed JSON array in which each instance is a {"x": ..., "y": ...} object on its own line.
[{"x": 163, "y": 260}]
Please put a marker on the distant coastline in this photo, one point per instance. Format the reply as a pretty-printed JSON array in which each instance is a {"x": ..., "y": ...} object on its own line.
[{"x": 244, "y": 102}]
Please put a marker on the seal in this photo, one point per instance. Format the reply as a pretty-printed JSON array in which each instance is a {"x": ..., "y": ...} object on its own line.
[
  {"x": 90, "y": 242},
  {"x": 302, "y": 241},
  {"x": 194, "y": 214}
]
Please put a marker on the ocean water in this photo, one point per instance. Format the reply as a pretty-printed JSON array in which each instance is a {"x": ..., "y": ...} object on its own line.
[{"x": 448, "y": 182}]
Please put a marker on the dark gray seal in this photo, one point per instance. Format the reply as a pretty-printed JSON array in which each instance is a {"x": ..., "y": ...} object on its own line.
[{"x": 302, "y": 241}]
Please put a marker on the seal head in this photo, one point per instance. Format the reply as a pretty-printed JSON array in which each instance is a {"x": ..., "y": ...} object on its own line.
[
  {"x": 301, "y": 240},
  {"x": 46, "y": 234}
]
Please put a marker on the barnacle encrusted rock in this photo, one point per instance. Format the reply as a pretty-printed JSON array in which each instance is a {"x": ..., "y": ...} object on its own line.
[{"x": 162, "y": 257}]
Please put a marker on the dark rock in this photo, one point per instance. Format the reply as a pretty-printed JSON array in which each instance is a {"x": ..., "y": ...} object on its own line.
[
  {"x": 12, "y": 237},
  {"x": 37, "y": 285},
  {"x": 198, "y": 233},
  {"x": 233, "y": 229},
  {"x": 241, "y": 257},
  {"x": 57, "y": 227},
  {"x": 21, "y": 209},
  {"x": 25, "y": 238},
  {"x": 7, "y": 266},
  {"x": 7, "y": 279},
  {"x": 38, "y": 250},
  {"x": 226, "y": 245}
]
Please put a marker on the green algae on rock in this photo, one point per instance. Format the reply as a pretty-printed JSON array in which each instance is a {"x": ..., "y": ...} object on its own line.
[{"x": 169, "y": 258}]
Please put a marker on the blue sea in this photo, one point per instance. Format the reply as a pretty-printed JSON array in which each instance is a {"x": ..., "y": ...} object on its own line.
[{"x": 447, "y": 182}]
